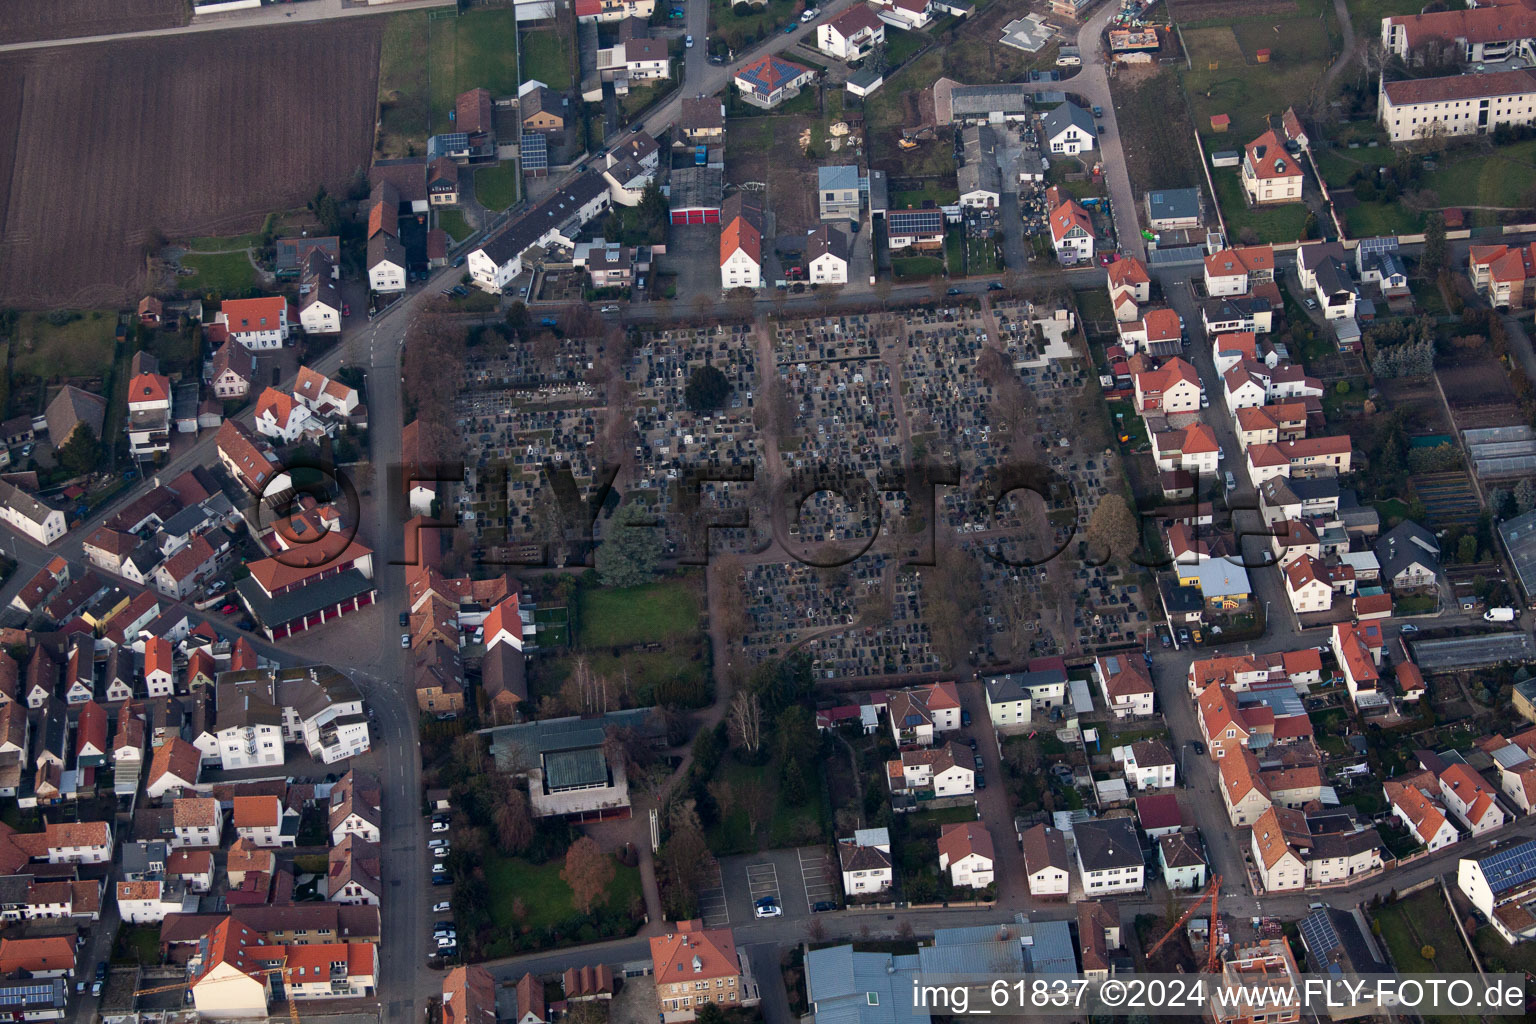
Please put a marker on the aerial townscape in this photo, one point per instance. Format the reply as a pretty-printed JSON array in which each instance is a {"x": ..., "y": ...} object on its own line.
[{"x": 631, "y": 511}]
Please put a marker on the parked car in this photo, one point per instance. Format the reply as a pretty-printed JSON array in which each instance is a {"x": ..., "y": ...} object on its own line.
[
  {"x": 405, "y": 619},
  {"x": 955, "y": 291},
  {"x": 442, "y": 908},
  {"x": 1197, "y": 747},
  {"x": 439, "y": 826},
  {"x": 438, "y": 868},
  {"x": 441, "y": 879},
  {"x": 971, "y": 741},
  {"x": 981, "y": 781},
  {"x": 228, "y": 609},
  {"x": 980, "y": 764},
  {"x": 995, "y": 286},
  {"x": 1408, "y": 627},
  {"x": 965, "y": 719},
  {"x": 245, "y": 624},
  {"x": 766, "y": 910},
  {"x": 688, "y": 42},
  {"x": 822, "y": 906},
  {"x": 405, "y": 640}
]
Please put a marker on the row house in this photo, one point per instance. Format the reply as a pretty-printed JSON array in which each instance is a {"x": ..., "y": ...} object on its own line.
[
  {"x": 1130, "y": 287},
  {"x": 1504, "y": 274},
  {"x": 1194, "y": 448},
  {"x": 1292, "y": 852},
  {"x": 1416, "y": 802},
  {"x": 917, "y": 714},
  {"x": 944, "y": 771}
]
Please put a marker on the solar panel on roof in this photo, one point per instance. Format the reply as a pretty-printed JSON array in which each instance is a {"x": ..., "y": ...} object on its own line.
[
  {"x": 1318, "y": 933},
  {"x": 1370, "y": 245},
  {"x": 455, "y": 140},
  {"x": 1509, "y": 867}
]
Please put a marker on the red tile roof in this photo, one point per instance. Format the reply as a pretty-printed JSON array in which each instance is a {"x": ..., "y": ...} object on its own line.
[{"x": 1268, "y": 158}]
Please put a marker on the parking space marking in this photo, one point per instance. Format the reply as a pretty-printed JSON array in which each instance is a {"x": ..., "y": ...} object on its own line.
[
  {"x": 763, "y": 882},
  {"x": 712, "y": 907},
  {"x": 813, "y": 876}
]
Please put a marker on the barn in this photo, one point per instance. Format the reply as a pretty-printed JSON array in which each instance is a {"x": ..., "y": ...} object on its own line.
[{"x": 696, "y": 195}]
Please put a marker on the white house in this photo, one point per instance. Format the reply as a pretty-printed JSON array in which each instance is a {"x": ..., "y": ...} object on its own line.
[
  {"x": 919, "y": 712},
  {"x": 1502, "y": 885},
  {"x": 851, "y": 34},
  {"x": 21, "y": 511},
  {"x": 1014, "y": 699},
  {"x": 278, "y": 416},
  {"x": 1148, "y": 765},
  {"x": 1470, "y": 799},
  {"x": 1109, "y": 857},
  {"x": 1171, "y": 389},
  {"x": 907, "y": 14},
  {"x": 1416, "y": 803},
  {"x": 1193, "y": 448},
  {"x": 1125, "y": 684},
  {"x": 826, "y": 254},
  {"x": 1047, "y": 867},
  {"x": 865, "y": 860},
  {"x": 1270, "y": 173},
  {"x": 1236, "y": 271},
  {"x": 148, "y": 902},
  {"x": 965, "y": 851},
  {"x": 323, "y": 395},
  {"x": 1072, "y": 233},
  {"x": 1178, "y": 856},
  {"x": 941, "y": 771},
  {"x": 1068, "y": 130},
  {"x": 741, "y": 247},
  {"x": 498, "y": 261},
  {"x": 1457, "y": 104},
  {"x": 198, "y": 821},
  {"x": 261, "y": 325}
]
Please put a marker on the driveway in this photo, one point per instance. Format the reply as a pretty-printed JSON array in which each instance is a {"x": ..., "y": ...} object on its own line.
[{"x": 992, "y": 802}]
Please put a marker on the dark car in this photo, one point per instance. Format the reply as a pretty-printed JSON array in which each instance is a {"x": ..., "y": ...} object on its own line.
[
  {"x": 821, "y": 906},
  {"x": 1199, "y": 747},
  {"x": 101, "y": 970},
  {"x": 965, "y": 718},
  {"x": 995, "y": 286},
  {"x": 245, "y": 624},
  {"x": 442, "y": 879},
  {"x": 954, "y": 291},
  {"x": 971, "y": 742},
  {"x": 981, "y": 781},
  {"x": 458, "y": 261},
  {"x": 405, "y": 618}
]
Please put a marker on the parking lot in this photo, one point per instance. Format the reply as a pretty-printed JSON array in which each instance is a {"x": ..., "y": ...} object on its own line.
[
  {"x": 712, "y": 903},
  {"x": 796, "y": 878}
]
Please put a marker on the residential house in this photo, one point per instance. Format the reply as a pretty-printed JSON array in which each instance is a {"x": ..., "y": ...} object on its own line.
[
  {"x": 385, "y": 253},
  {"x": 1321, "y": 268},
  {"x": 1126, "y": 686},
  {"x": 1170, "y": 389},
  {"x": 1174, "y": 209},
  {"x": 1129, "y": 287},
  {"x": 320, "y": 305},
  {"x": 354, "y": 873},
  {"x": 965, "y": 851},
  {"x": 1193, "y": 448},
  {"x": 1501, "y": 884},
  {"x": 865, "y": 861},
  {"x": 1237, "y": 271},
  {"x": 175, "y": 767},
  {"x": 741, "y": 243},
  {"x": 944, "y": 771},
  {"x": 1243, "y": 791},
  {"x": 261, "y": 820},
  {"x": 850, "y": 35},
  {"x": 1415, "y": 801},
  {"x": 702, "y": 120},
  {"x": 838, "y": 193},
  {"x": 827, "y": 253},
  {"x": 1148, "y": 764},
  {"x": 149, "y": 415},
  {"x": 1158, "y": 333},
  {"x": 1503, "y": 274},
  {"x": 443, "y": 182},
  {"x": 769, "y": 81},
  {"x": 250, "y": 462},
  {"x": 1109, "y": 858},
  {"x": 905, "y": 14},
  {"x": 919, "y": 712},
  {"x": 1047, "y": 867},
  {"x": 922, "y": 230},
  {"x": 469, "y": 993},
  {"x": 1072, "y": 232},
  {"x": 1013, "y": 699},
  {"x": 1270, "y": 173},
  {"x": 543, "y": 111},
  {"x": 498, "y": 260},
  {"x": 1182, "y": 864},
  {"x": 261, "y": 324},
  {"x": 30, "y": 515},
  {"x": 1409, "y": 556},
  {"x": 355, "y": 808},
  {"x": 199, "y": 822},
  {"x": 1470, "y": 800},
  {"x": 324, "y": 396},
  {"x": 1068, "y": 130}
]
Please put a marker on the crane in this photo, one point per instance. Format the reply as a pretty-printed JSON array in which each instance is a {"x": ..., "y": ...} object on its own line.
[
  {"x": 1211, "y": 893},
  {"x": 279, "y": 971}
]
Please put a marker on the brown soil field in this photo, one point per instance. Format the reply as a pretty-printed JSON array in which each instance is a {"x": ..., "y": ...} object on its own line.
[
  {"x": 113, "y": 143},
  {"x": 1187, "y": 12},
  {"x": 26, "y": 20}
]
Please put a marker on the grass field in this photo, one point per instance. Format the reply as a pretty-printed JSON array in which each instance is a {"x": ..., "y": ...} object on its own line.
[
  {"x": 497, "y": 187},
  {"x": 733, "y": 30},
  {"x": 453, "y": 222},
  {"x": 1471, "y": 175},
  {"x": 1249, "y": 93},
  {"x": 639, "y": 615},
  {"x": 1272, "y": 224},
  {"x": 900, "y": 45},
  {"x": 80, "y": 348},
  {"x": 216, "y": 243},
  {"x": 402, "y": 87},
  {"x": 546, "y": 59},
  {"x": 228, "y": 273},
  {"x": 1423, "y": 919},
  {"x": 474, "y": 50},
  {"x": 1155, "y": 132},
  {"x": 913, "y": 198},
  {"x": 546, "y": 899},
  {"x": 906, "y": 268}
]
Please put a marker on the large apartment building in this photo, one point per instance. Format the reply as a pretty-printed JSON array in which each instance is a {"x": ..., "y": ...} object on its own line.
[{"x": 1457, "y": 105}]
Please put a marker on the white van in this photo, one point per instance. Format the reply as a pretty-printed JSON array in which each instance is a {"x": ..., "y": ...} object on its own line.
[{"x": 1231, "y": 481}]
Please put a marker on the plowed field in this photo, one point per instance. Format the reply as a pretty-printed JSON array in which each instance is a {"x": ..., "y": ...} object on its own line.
[
  {"x": 25, "y": 20},
  {"x": 104, "y": 145}
]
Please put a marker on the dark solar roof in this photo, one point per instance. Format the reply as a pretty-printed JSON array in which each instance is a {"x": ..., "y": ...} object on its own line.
[
  {"x": 1510, "y": 867},
  {"x": 915, "y": 222}
]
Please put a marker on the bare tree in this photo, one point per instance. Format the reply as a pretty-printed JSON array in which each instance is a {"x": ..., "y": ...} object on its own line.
[
  {"x": 746, "y": 720},
  {"x": 588, "y": 870}
]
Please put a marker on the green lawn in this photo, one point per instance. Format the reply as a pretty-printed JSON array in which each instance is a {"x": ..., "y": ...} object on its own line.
[
  {"x": 403, "y": 85},
  {"x": 637, "y": 615},
  {"x": 1248, "y": 92},
  {"x": 547, "y": 58},
  {"x": 913, "y": 198},
  {"x": 137, "y": 944},
  {"x": 545, "y": 897},
  {"x": 1470, "y": 177},
  {"x": 1422, "y": 919},
  {"x": 1370, "y": 219},
  {"x": 218, "y": 244},
  {"x": 80, "y": 348},
  {"x": 1273, "y": 224},
  {"x": 909, "y": 267},
  {"x": 497, "y": 187},
  {"x": 453, "y": 222},
  {"x": 638, "y": 99},
  {"x": 474, "y": 50},
  {"x": 900, "y": 45},
  {"x": 228, "y": 273}
]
